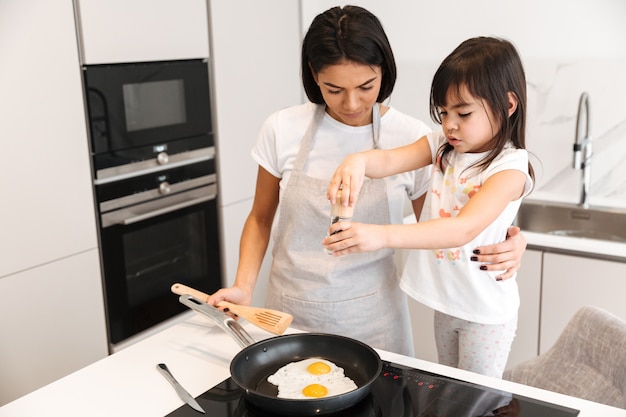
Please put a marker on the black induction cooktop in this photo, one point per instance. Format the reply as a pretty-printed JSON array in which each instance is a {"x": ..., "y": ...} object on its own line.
[{"x": 398, "y": 391}]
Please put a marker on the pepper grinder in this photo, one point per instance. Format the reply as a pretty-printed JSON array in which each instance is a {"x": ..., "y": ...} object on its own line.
[{"x": 339, "y": 213}]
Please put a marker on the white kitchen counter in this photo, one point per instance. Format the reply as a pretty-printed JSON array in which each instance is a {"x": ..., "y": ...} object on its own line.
[
  {"x": 199, "y": 354},
  {"x": 602, "y": 248}
]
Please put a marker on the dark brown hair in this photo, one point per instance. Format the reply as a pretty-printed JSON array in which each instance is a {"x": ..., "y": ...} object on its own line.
[
  {"x": 346, "y": 33},
  {"x": 490, "y": 68}
]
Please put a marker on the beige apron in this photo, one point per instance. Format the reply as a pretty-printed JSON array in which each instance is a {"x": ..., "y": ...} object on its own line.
[{"x": 355, "y": 295}]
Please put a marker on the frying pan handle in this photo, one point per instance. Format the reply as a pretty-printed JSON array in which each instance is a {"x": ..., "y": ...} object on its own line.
[{"x": 227, "y": 323}]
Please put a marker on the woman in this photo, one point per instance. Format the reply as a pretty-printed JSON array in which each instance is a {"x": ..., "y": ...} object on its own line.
[{"x": 348, "y": 70}]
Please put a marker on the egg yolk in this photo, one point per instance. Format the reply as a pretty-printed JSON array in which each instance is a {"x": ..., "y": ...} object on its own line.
[
  {"x": 315, "y": 390},
  {"x": 318, "y": 368}
]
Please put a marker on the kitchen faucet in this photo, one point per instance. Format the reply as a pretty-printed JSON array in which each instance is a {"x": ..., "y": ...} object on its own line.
[{"x": 582, "y": 149}]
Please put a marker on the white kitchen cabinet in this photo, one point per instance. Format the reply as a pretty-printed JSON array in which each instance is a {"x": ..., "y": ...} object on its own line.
[
  {"x": 571, "y": 282},
  {"x": 51, "y": 323},
  {"x": 526, "y": 343},
  {"x": 422, "y": 323},
  {"x": 51, "y": 307},
  {"x": 47, "y": 204},
  {"x": 116, "y": 31}
]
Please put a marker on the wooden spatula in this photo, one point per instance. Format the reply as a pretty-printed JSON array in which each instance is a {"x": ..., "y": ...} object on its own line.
[{"x": 271, "y": 320}]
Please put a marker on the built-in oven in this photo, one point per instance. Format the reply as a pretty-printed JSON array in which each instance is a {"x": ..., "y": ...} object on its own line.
[
  {"x": 155, "y": 230},
  {"x": 155, "y": 182}
]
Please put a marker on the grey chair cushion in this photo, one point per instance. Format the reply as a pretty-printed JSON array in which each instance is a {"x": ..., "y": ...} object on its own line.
[{"x": 587, "y": 361}]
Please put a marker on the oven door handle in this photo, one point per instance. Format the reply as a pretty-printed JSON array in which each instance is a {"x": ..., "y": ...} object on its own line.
[
  {"x": 165, "y": 210},
  {"x": 139, "y": 212}
]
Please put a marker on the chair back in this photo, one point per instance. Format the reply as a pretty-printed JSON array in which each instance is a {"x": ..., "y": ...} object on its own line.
[{"x": 587, "y": 361}]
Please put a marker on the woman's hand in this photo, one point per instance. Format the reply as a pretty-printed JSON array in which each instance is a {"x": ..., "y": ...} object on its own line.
[
  {"x": 349, "y": 237},
  {"x": 235, "y": 295},
  {"x": 505, "y": 256},
  {"x": 348, "y": 176}
]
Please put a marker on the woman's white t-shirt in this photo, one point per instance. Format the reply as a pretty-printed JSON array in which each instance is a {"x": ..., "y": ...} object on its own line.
[{"x": 279, "y": 141}]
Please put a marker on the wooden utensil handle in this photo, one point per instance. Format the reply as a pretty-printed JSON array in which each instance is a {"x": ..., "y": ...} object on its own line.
[
  {"x": 231, "y": 306},
  {"x": 181, "y": 289}
]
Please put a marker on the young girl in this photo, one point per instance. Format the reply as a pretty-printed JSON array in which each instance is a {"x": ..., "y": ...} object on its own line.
[{"x": 480, "y": 174}]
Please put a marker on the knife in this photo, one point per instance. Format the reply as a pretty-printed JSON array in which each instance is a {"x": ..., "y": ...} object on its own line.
[{"x": 184, "y": 395}]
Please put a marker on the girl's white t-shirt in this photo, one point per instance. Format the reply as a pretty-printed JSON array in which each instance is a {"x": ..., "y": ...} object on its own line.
[
  {"x": 279, "y": 142},
  {"x": 445, "y": 279}
]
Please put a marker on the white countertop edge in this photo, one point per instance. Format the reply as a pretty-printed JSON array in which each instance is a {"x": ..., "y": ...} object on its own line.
[
  {"x": 569, "y": 198},
  {"x": 601, "y": 248},
  {"x": 199, "y": 354}
]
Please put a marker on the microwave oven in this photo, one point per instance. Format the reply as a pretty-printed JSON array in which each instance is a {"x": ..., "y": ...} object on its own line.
[{"x": 143, "y": 115}]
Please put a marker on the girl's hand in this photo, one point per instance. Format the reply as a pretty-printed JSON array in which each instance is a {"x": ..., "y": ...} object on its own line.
[
  {"x": 505, "y": 256},
  {"x": 350, "y": 237},
  {"x": 348, "y": 176}
]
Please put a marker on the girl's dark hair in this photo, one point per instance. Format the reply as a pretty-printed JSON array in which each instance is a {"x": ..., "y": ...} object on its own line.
[
  {"x": 346, "y": 33},
  {"x": 490, "y": 68}
]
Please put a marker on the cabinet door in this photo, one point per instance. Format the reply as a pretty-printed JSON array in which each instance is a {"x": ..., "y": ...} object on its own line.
[
  {"x": 526, "y": 343},
  {"x": 47, "y": 203},
  {"x": 115, "y": 31},
  {"x": 571, "y": 282},
  {"x": 51, "y": 323},
  {"x": 422, "y": 322}
]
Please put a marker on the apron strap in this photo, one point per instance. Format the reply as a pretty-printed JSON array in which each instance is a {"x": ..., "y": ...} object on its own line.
[
  {"x": 376, "y": 125},
  {"x": 306, "y": 144}
]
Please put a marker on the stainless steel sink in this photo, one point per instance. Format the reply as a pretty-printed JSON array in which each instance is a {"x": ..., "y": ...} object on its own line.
[{"x": 572, "y": 220}]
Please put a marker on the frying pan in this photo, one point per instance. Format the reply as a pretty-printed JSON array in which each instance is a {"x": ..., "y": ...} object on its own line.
[{"x": 250, "y": 367}]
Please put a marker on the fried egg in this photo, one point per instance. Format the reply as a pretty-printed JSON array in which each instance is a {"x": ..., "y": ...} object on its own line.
[{"x": 311, "y": 378}]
